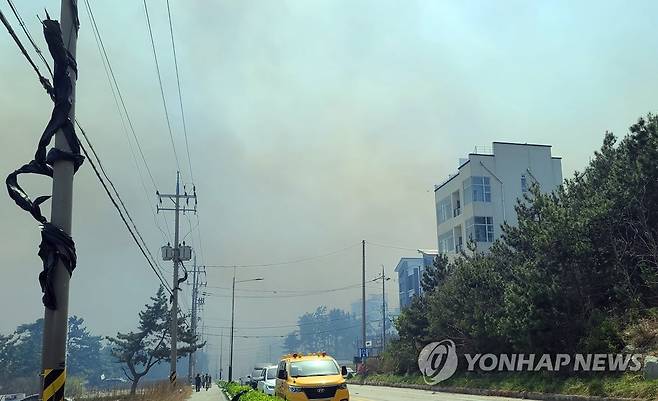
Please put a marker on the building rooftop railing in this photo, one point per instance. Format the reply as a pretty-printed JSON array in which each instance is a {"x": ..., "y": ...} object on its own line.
[{"x": 483, "y": 150}]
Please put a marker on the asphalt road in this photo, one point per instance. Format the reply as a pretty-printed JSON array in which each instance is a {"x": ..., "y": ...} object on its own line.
[{"x": 374, "y": 393}]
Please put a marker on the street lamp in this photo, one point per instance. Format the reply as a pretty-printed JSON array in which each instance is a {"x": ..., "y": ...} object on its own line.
[{"x": 230, "y": 362}]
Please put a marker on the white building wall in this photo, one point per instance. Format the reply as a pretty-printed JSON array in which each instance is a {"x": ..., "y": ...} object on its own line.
[{"x": 509, "y": 164}]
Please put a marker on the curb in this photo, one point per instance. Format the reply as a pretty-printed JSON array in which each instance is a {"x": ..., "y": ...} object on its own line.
[{"x": 498, "y": 393}]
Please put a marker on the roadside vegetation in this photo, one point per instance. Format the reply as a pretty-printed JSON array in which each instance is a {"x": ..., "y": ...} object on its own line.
[
  {"x": 232, "y": 389},
  {"x": 623, "y": 386},
  {"x": 578, "y": 274},
  {"x": 161, "y": 391}
]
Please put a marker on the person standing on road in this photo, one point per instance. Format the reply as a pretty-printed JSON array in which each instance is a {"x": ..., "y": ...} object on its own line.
[
  {"x": 197, "y": 382},
  {"x": 208, "y": 381}
]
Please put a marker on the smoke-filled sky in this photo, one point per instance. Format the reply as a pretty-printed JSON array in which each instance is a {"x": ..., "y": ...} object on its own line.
[{"x": 312, "y": 125}]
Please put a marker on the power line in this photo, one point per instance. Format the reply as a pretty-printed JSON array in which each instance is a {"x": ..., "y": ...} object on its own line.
[
  {"x": 290, "y": 262},
  {"x": 98, "y": 173},
  {"x": 392, "y": 247},
  {"x": 157, "y": 68},
  {"x": 116, "y": 206},
  {"x": 29, "y": 37},
  {"x": 286, "y": 335},
  {"x": 44, "y": 81},
  {"x": 116, "y": 84},
  {"x": 285, "y": 325},
  {"x": 286, "y": 293},
  {"x": 180, "y": 96},
  {"x": 113, "y": 83},
  {"x": 123, "y": 205}
]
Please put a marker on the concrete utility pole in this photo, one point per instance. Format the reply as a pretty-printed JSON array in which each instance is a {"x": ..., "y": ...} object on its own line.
[
  {"x": 363, "y": 294},
  {"x": 174, "y": 254},
  {"x": 230, "y": 363},
  {"x": 383, "y": 308},
  {"x": 384, "y": 279},
  {"x": 195, "y": 291},
  {"x": 55, "y": 322},
  {"x": 221, "y": 353}
]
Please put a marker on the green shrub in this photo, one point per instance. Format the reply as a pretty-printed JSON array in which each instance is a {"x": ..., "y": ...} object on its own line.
[{"x": 233, "y": 388}]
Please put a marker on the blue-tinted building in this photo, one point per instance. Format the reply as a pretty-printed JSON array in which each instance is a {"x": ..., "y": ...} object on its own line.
[{"x": 410, "y": 272}]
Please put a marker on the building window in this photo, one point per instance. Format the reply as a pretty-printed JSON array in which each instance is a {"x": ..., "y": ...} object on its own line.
[
  {"x": 456, "y": 204},
  {"x": 477, "y": 189},
  {"x": 480, "y": 229},
  {"x": 524, "y": 184},
  {"x": 444, "y": 210},
  {"x": 446, "y": 242},
  {"x": 416, "y": 286}
]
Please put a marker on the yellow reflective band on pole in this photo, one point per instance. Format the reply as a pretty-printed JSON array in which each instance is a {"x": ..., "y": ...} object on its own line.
[
  {"x": 53, "y": 384},
  {"x": 172, "y": 377}
]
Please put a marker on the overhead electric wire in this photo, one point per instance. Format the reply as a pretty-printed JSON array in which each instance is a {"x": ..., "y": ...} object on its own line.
[
  {"x": 29, "y": 37},
  {"x": 116, "y": 93},
  {"x": 278, "y": 296},
  {"x": 123, "y": 104},
  {"x": 198, "y": 225},
  {"x": 123, "y": 205},
  {"x": 100, "y": 175},
  {"x": 286, "y": 335},
  {"x": 157, "y": 68},
  {"x": 391, "y": 246},
  {"x": 290, "y": 293},
  {"x": 180, "y": 96},
  {"x": 290, "y": 262},
  {"x": 283, "y": 326},
  {"x": 116, "y": 206},
  {"x": 44, "y": 81}
]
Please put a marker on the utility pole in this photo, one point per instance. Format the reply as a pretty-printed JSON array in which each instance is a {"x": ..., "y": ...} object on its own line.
[
  {"x": 383, "y": 308},
  {"x": 178, "y": 253},
  {"x": 384, "y": 279},
  {"x": 363, "y": 293},
  {"x": 195, "y": 291},
  {"x": 55, "y": 321},
  {"x": 230, "y": 363},
  {"x": 221, "y": 353}
]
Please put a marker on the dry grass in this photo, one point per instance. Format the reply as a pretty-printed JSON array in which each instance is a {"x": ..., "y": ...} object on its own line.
[{"x": 152, "y": 392}]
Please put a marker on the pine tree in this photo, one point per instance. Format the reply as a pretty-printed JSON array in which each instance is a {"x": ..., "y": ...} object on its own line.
[{"x": 151, "y": 344}]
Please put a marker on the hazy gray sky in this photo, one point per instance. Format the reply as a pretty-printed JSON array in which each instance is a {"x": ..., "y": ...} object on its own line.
[{"x": 312, "y": 125}]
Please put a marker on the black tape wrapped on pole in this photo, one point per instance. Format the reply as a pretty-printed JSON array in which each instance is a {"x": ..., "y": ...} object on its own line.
[{"x": 56, "y": 245}]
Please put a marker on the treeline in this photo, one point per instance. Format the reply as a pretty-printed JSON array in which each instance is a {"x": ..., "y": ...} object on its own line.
[
  {"x": 579, "y": 274},
  {"x": 88, "y": 356},
  {"x": 330, "y": 330},
  {"x": 91, "y": 360}
]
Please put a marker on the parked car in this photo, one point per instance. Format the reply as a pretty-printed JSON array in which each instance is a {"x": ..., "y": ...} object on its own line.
[
  {"x": 257, "y": 374},
  {"x": 269, "y": 380}
]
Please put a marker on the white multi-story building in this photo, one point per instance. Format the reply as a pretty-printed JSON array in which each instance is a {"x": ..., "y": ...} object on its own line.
[{"x": 474, "y": 202}]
